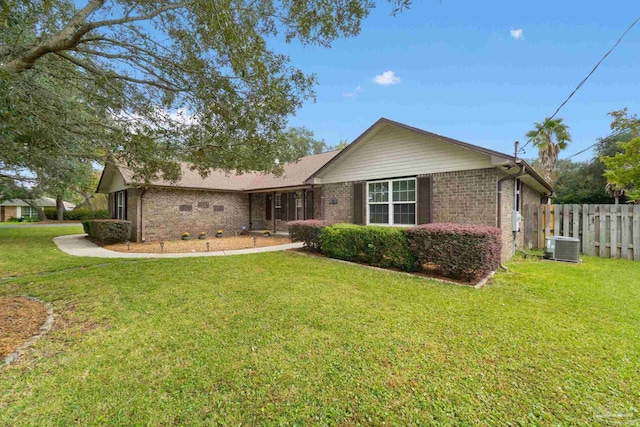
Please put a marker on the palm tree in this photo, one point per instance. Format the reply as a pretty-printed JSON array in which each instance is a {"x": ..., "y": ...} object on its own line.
[
  {"x": 615, "y": 191},
  {"x": 549, "y": 137}
]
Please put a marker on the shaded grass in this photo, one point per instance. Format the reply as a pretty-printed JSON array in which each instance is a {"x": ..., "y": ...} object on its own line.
[
  {"x": 279, "y": 338},
  {"x": 31, "y": 250}
]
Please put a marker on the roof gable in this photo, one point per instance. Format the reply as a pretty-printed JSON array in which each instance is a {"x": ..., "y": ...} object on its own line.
[{"x": 389, "y": 149}]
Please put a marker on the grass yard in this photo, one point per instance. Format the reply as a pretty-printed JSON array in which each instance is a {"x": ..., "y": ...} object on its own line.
[
  {"x": 281, "y": 338},
  {"x": 30, "y": 250}
]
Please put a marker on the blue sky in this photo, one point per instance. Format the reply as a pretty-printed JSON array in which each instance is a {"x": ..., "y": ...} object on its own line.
[{"x": 463, "y": 74}]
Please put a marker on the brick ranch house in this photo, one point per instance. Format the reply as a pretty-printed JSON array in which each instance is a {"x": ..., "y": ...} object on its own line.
[{"x": 391, "y": 175}]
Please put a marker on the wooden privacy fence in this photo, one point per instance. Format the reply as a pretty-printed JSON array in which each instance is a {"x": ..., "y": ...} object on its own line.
[{"x": 608, "y": 231}]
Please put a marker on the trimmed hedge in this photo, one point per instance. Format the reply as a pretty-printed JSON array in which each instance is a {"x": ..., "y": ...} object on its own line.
[
  {"x": 459, "y": 251},
  {"x": 385, "y": 247},
  {"x": 76, "y": 215},
  {"x": 108, "y": 230},
  {"x": 308, "y": 232}
]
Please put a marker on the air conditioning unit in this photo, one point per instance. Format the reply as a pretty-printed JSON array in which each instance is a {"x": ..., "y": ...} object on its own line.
[{"x": 562, "y": 249}]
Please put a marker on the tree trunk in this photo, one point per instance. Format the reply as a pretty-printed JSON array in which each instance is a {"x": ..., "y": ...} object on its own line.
[
  {"x": 41, "y": 214},
  {"x": 59, "y": 208},
  {"x": 88, "y": 198}
]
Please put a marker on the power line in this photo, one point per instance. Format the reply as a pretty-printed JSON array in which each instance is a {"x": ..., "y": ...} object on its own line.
[
  {"x": 612, "y": 136},
  {"x": 584, "y": 80}
]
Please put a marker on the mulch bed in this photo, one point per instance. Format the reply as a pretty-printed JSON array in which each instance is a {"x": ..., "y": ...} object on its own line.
[
  {"x": 428, "y": 271},
  {"x": 197, "y": 245},
  {"x": 20, "y": 319}
]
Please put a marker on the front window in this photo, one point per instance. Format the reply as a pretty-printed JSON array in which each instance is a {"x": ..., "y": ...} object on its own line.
[
  {"x": 278, "y": 206},
  {"x": 392, "y": 202},
  {"x": 120, "y": 205},
  {"x": 29, "y": 212}
]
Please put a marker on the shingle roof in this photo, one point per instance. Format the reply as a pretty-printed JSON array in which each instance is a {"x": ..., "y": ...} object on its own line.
[
  {"x": 43, "y": 202},
  {"x": 295, "y": 174}
]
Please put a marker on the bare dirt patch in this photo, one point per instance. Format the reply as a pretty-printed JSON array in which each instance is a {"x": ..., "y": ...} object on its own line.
[
  {"x": 20, "y": 319},
  {"x": 197, "y": 245}
]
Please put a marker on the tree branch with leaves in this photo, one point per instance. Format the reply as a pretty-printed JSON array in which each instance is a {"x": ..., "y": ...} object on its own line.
[{"x": 152, "y": 81}]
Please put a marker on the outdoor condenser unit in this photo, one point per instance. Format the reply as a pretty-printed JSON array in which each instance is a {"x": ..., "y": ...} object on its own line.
[{"x": 562, "y": 248}]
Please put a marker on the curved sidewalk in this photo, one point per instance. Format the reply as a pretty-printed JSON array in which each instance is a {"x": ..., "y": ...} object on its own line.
[{"x": 78, "y": 245}]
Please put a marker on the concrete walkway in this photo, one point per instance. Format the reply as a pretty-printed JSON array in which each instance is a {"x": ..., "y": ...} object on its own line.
[{"x": 78, "y": 245}]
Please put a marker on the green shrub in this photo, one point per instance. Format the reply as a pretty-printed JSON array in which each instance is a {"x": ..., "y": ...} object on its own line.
[
  {"x": 109, "y": 230},
  {"x": 307, "y": 231},
  {"x": 458, "y": 251},
  {"x": 386, "y": 247},
  {"x": 51, "y": 213},
  {"x": 76, "y": 215},
  {"x": 84, "y": 214},
  {"x": 85, "y": 225}
]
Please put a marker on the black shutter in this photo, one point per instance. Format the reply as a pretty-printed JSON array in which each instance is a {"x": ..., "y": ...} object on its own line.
[
  {"x": 292, "y": 206},
  {"x": 358, "y": 203},
  {"x": 126, "y": 199},
  {"x": 267, "y": 207},
  {"x": 112, "y": 204},
  {"x": 424, "y": 200},
  {"x": 284, "y": 203},
  {"x": 309, "y": 207}
]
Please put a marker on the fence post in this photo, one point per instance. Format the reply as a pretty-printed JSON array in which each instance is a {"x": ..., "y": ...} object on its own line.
[
  {"x": 547, "y": 220},
  {"x": 636, "y": 232},
  {"x": 624, "y": 225},
  {"x": 584, "y": 238},
  {"x": 603, "y": 231},
  {"x": 613, "y": 222},
  {"x": 576, "y": 220},
  {"x": 540, "y": 228}
]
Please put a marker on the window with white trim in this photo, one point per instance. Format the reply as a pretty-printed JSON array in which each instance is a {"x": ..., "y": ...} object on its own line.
[
  {"x": 391, "y": 202},
  {"x": 120, "y": 205},
  {"x": 29, "y": 212},
  {"x": 278, "y": 205}
]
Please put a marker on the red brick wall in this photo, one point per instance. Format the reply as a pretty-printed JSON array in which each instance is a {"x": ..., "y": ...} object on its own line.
[
  {"x": 9, "y": 212},
  {"x": 507, "y": 212},
  {"x": 530, "y": 197},
  {"x": 342, "y": 211},
  {"x": 465, "y": 197},
  {"x": 164, "y": 220}
]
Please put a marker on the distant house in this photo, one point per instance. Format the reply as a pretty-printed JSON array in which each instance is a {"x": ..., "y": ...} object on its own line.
[
  {"x": 17, "y": 208},
  {"x": 391, "y": 175}
]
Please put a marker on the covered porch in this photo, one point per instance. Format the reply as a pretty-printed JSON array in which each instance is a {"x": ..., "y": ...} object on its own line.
[{"x": 272, "y": 209}]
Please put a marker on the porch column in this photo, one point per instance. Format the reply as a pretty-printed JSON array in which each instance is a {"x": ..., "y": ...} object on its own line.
[{"x": 273, "y": 211}]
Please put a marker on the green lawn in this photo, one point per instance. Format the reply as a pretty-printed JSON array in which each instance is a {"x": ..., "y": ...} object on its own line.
[{"x": 280, "y": 338}]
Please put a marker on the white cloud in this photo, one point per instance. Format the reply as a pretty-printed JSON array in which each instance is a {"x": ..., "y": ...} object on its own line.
[
  {"x": 517, "y": 34},
  {"x": 352, "y": 94},
  {"x": 386, "y": 78}
]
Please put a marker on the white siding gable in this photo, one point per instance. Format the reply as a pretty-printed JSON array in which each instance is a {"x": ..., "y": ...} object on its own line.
[
  {"x": 117, "y": 182},
  {"x": 395, "y": 152}
]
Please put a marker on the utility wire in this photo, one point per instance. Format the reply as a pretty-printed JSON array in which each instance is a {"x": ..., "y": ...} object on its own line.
[
  {"x": 584, "y": 80},
  {"x": 612, "y": 136}
]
